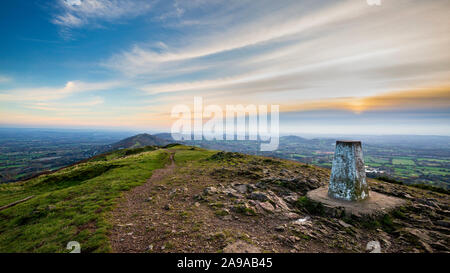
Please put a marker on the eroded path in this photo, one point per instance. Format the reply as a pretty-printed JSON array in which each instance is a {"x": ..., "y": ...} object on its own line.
[
  {"x": 129, "y": 217},
  {"x": 172, "y": 213}
]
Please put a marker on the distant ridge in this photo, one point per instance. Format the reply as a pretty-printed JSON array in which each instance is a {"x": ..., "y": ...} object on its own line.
[
  {"x": 294, "y": 138},
  {"x": 140, "y": 140},
  {"x": 165, "y": 136}
]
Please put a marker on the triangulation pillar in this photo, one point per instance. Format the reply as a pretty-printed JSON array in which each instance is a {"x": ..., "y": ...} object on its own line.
[{"x": 348, "y": 174}]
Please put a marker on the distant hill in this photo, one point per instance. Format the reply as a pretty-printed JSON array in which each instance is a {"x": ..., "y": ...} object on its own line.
[
  {"x": 140, "y": 140},
  {"x": 166, "y": 136},
  {"x": 294, "y": 139}
]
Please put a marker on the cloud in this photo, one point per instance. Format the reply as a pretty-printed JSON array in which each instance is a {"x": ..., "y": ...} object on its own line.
[
  {"x": 78, "y": 13},
  {"x": 277, "y": 26},
  {"x": 301, "y": 49},
  {"x": 175, "y": 11},
  {"x": 64, "y": 107},
  {"x": 68, "y": 20},
  {"x": 45, "y": 94}
]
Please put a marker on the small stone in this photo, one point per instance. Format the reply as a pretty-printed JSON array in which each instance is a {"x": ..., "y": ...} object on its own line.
[
  {"x": 266, "y": 206},
  {"x": 260, "y": 196},
  {"x": 279, "y": 203},
  {"x": 230, "y": 192},
  {"x": 407, "y": 196},
  {"x": 344, "y": 224},
  {"x": 291, "y": 198},
  {"x": 301, "y": 221},
  {"x": 280, "y": 228},
  {"x": 233, "y": 194},
  {"x": 197, "y": 204},
  {"x": 290, "y": 215},
  {"x": 209, "y": 190},
  {"x": 241, "y": 188},
  {"x": 150, "y": 248}
]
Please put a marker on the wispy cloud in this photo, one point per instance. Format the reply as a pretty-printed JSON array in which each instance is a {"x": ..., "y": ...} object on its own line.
[
  {"x": 301, "y": 49},
  {"x": 45, "y": 94},
  {"x": 262, "y": 30},
  {"x": 64, "y": 107},
  {"x": 78, "y": 13}
]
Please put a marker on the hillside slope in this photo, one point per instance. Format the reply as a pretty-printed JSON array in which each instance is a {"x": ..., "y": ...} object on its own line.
[
  {"x": 187, "y": 199},
  {"x": 140, "y": 140},
  {"x": 70, "y": 205}
]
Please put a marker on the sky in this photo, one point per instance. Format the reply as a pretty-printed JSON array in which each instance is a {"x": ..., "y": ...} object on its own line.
[{"x": 337, "y": 67}]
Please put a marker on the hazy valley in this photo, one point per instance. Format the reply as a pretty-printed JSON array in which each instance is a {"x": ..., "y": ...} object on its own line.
[{"x": 407, "y": 159}]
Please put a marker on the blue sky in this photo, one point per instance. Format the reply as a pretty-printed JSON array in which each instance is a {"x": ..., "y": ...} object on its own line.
[{"x": 332, "y": 66}]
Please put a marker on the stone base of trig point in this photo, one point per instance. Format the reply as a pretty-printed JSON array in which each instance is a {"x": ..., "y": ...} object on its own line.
[{"x": 377, "y": 204}]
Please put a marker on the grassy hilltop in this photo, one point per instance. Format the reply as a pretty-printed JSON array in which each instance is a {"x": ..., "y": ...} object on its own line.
[{"x": 186, "y": 199}]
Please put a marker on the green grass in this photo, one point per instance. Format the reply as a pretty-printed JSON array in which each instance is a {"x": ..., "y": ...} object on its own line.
[
  {"x": 377, "y": 160},
  {"x": 12, "y": 166},
  {"x": 403, "y": 161},
  {"x": 187, "y": 154},
  {"x": 122, "y": 153},
  {"x": 310, "y": 206},
  {"x": 71, "y": 204},
  {"x": 434, "y": 160}
]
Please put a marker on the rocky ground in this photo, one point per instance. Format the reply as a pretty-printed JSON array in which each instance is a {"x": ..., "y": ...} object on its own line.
[{"x": 210, "y": 201}]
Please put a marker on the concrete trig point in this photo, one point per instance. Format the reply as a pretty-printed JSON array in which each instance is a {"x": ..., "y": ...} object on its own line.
[
  {"x": 348, "y": 174},
  {"x": 348, "y": 191}
]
